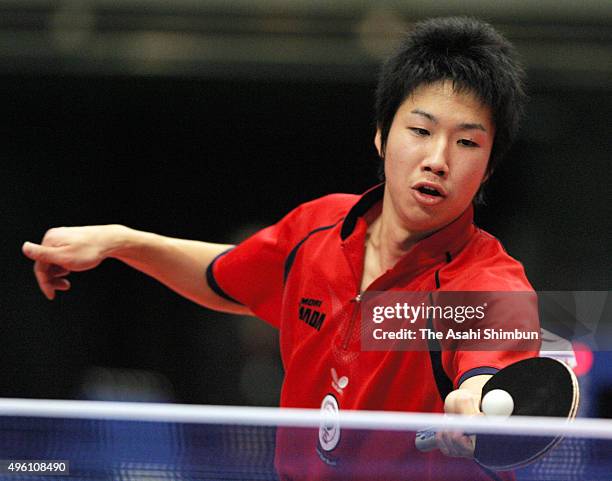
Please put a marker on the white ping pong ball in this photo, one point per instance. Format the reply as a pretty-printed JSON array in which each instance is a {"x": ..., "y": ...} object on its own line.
[{"x": 497, "y": 403}]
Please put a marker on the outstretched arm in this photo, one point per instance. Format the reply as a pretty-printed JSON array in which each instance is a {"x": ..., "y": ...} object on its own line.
[{"x": 178, "y": 263}]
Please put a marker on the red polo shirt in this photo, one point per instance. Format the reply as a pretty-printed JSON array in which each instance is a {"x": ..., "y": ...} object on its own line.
[{"x": 303, "y": 275}]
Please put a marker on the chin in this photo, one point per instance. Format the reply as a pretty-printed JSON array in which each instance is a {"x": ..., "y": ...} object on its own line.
[{"x": 424, "y": 223}]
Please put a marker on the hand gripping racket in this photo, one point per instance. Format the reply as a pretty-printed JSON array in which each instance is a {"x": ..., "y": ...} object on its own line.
[{"x": 539, "y": 386}]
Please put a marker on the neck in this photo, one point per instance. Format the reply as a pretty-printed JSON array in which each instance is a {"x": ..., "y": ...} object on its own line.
[{"x": 388, "y": 242}]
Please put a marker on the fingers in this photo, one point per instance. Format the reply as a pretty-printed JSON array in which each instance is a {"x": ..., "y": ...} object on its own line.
[
  {"x": 48, "y": 255},
  {"x": 462, "y": 401},
  {"x": 50, "y": 278},
  {"x": 60, "y": 284},
  {"x": 29, "y": 250},
  {"x": 58, "y": 271},
  {"x": 49, "y": 275},
  {"x": 456, "y": 444}
]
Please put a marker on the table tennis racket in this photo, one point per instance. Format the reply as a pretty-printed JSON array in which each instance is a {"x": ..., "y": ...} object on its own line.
[{"x": 539, "y": 386}]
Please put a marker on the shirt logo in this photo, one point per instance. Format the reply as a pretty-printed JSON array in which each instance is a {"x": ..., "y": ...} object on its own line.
[
  {"x": 329, "y": 431},
  {"x": 309, "y": 315},
  {"x": 338, "y": 383}
]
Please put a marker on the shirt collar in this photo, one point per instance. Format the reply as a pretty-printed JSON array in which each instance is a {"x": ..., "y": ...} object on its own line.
[
  {"x": 444, "y": 243},
  {"x": 365, "y": 202}
]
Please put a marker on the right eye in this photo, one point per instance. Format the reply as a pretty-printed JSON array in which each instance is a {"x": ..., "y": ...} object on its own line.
[{"x": 419, "y": 131}]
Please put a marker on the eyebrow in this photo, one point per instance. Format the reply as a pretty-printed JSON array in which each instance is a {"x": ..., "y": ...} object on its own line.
[{"x": 463, "y": 126}]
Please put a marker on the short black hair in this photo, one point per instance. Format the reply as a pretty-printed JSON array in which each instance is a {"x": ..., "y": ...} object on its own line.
[{"x": 469, "y": 53}]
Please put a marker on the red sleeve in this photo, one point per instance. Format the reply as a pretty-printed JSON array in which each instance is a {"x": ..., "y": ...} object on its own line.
[{"x": 252, "y": 273}]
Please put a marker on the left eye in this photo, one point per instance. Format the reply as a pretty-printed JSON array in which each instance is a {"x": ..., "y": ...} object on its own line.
[{"x": 467, "y": 143}]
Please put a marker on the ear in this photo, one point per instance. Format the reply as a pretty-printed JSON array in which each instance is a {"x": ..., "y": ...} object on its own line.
[{"x": 378, "y": 142}]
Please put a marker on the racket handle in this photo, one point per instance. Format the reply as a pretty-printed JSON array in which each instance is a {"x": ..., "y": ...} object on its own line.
[{"x": 425, "y": 440}]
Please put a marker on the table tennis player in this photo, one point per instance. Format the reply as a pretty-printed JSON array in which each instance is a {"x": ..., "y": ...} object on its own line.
[{"x": 448, "y": 106}]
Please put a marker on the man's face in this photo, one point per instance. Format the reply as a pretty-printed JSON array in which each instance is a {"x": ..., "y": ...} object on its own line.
[{"x": 436, "y": 156}]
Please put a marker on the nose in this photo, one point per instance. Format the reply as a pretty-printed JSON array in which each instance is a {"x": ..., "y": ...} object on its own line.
[{"x": 437, "y": 159}]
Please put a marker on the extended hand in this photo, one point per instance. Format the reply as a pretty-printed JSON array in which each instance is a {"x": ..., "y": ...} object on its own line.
[{"x": 67, "y": 249}]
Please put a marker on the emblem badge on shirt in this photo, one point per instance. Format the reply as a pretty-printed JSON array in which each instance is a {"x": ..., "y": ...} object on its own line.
[
  {"x": 338, "y": 383},
  {"x": 309, "y": 312},
  {"x": 329, "y": 431}
]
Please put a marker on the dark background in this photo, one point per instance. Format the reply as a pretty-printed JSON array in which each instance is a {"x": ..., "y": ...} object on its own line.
[{"x": 212, "y": 157}]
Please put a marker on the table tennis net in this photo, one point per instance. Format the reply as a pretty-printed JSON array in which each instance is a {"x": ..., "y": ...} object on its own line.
[{"x": 130, "y": 441}]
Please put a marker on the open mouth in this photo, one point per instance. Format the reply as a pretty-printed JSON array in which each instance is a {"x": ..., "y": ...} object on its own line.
[{"x": 429, "y": 191}]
